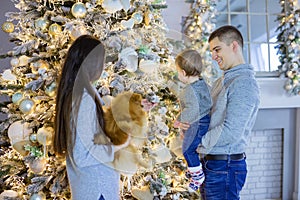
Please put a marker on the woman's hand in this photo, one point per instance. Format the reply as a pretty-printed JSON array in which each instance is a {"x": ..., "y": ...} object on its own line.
[{"x": 147, "y": 106}]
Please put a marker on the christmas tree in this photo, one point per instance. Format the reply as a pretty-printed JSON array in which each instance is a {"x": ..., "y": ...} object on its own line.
[
  {"x": 138, "y": 59},
  {"x": 197, "y": 26},
  {"x": 289, "y": 45}
]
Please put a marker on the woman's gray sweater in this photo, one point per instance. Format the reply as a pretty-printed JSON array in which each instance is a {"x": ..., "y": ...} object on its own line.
[{"x": 89, "y": 177}]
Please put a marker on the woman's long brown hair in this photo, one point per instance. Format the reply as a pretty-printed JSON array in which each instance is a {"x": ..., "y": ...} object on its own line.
[{"x": 83, "y": 64}]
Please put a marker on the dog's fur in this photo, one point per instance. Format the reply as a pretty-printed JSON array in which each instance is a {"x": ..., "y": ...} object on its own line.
[{"x": 126, "y": 117}]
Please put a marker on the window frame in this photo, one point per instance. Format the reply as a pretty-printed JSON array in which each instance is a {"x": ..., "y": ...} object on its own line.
[{"x": 248, "y": 43}]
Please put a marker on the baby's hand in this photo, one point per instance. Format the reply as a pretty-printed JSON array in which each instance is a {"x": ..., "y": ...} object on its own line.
[{"x": 181, "y": 125}]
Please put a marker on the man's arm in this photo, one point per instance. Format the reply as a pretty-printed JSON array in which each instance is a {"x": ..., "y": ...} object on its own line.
[{"x": 242, "y": 101}]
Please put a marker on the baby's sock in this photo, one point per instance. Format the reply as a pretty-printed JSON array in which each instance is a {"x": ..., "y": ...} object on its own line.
[{"x": 197, "y": 178}]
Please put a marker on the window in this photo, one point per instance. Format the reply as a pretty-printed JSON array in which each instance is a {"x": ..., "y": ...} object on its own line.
[{"x": 257, "y": 21}]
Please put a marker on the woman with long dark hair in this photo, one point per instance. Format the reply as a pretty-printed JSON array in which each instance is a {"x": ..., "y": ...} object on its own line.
[{"x": 79, "y": 116}]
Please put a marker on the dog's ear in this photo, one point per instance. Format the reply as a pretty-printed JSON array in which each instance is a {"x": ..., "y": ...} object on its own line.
[{"x": 136, "y": 98}]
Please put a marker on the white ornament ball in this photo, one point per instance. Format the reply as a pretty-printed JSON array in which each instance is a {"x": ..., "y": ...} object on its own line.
[
  {"x": 44, "y": 135},
  {"x": 78, "y": 10},
  {"x": 107, "y": 100},
  {"x": 14, "y": 62},
  {"x": 17, "y": 97},
  {"x": 38, "y": 196},
  {"x": 41, "y": 24},
  {"x": 26, "y": 106}
]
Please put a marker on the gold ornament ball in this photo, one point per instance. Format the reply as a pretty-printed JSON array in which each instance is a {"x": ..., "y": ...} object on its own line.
[
  {"x": 41, "y": 24},
  {"x": 37, "y": 166},
  {"x": 8, "y": 27},
  {"x": 54, "y": 29},
  {"x": 26, "y": 106},
  {"x": 23, "y": 60},
  {"x": 44, "y": 135},
  {"x": 51, "y": 89},
  {"x": 78, "y": 10}
]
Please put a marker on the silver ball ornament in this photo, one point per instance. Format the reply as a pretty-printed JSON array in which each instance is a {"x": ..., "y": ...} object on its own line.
[
  {"x": 38, "y": 196},
  {"x": 14, "y": 62},
  {"x": 78, "y": 10},
  {"x": 26, "y": 106},
  {"x": 41, "y": 24},
  {"x": 138, "y": 17},
  {"x": 33, "y": 137}
]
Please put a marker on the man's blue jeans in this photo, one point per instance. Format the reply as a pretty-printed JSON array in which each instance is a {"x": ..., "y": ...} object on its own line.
[
  {"x": 224, "y": 179},
  {"x": 192, "y": 139}
]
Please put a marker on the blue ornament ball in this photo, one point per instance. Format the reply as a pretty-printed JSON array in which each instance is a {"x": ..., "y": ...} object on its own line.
[{"x": 17, "y": 97}]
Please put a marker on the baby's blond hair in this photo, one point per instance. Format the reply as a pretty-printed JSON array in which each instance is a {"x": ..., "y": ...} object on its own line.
[{"x": 190, "y": 61}]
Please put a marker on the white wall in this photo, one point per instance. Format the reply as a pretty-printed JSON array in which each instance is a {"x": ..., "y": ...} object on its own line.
[{"x": 173, "y": 14}]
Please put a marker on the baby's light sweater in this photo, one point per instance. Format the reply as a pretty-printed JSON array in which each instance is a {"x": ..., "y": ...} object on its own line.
[{"x": 195, "y": 101}]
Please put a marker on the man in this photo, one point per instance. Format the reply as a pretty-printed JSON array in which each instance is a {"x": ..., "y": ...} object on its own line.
[{"x": 235, "y": 104}]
